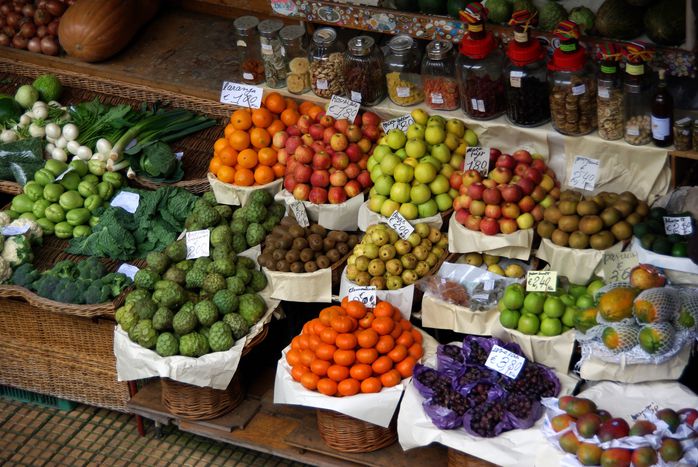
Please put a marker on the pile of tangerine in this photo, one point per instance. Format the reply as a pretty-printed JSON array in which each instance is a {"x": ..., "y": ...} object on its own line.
[
  {"x": 351, "y": 349},
  {"x": 245, "y": 155}
]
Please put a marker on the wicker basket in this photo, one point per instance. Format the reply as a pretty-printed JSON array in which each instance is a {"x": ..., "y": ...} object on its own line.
[
  {"x": 459, "y": 459},
  {"x": 10, "y": 188},
  {"x": 348, "y": 434}
]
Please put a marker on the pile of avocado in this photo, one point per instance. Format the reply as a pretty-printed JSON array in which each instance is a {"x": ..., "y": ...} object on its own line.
[{"x": 652, "y": 236}]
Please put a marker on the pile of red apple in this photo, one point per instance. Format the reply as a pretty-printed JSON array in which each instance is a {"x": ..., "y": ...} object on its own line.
[
  {"x": 326, "y": 158},
  {"x": 512, "y": 196}
]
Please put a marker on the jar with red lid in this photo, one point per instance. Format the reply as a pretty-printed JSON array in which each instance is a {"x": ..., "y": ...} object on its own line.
[
  {"x": 438, "y": 76},
  {"x": 525, "y": 76},
  {"x": 572, "y": 80},
  {"x": 479, "y": 67}
]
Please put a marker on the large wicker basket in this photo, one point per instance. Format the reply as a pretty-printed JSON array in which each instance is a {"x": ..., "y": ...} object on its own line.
[
  {"x": 459, "y": 459},
  {"x": 348, "y": 434}
]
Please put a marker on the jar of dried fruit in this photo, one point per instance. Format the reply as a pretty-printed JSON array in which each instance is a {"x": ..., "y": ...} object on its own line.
[
  {"x": 249, "y": 50},
  {"x": 480, "y": 68},
  {"x": 326, "y": 63},
  {"x": 363, "y": 71},
  {"x": 438, "y": 76},
  {"x": 272, "y": 52},
  {"x": 609, "y": 99},
  {"x": 296, "y": 59},
  {"x": 637, "y": 98},
  {"x": 402, "y": 72}
]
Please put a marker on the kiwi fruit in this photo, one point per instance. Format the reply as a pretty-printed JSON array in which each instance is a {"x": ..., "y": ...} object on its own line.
[
  {"x": 328, "y": 243},
  {"x": 288, "y": 221},
  {"x": 292, "y": 256},
  {"x": 310, "y": 266},
  {"x": 587, "y": 207},
  {"x": 282, "y": 265},
  {"x": 318, "y": 229},
  {"x": 265, "y": 260},
  {"x": 622, "y": 230},
  {"x": 278, "y": 254},
  {"x": 300, "y": 243},
  {"x": 285, "y": 242},
  {"x": 297, "y": 267},
  {"x": 315, "y": 242},
  {"x": 552, "y": 214},
  {"x": 307, "y": 255},
  {"x": 323, "y": 262},
  {"x": 560, "y": 238},
  {"x": 333, "y": 255},
  {"x": 578, "y": 240},
  {"x": 296, "y": 231},
  {"x": 545, "y": 229},
  {"x": 279, "y": 230},
  {"x": 343, "y": 248},
  {"x": 352, "y": 241},
  {"x": 570, "y": 195},
  {"x": 568, "y": 223},
  {"x": 591, "y": 224}
]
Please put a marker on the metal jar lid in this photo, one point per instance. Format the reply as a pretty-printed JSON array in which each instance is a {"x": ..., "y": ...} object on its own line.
[
  {"x": 269, "y": 27},
  {"x": 325, "y": 36},
  {"x": 401, "y": 43},
  {"x": 292, "y": 33},
  {"x": 439, "y": 50},
  {"x": 244, "y": 24},
  {"x": 361, "y": 45}
]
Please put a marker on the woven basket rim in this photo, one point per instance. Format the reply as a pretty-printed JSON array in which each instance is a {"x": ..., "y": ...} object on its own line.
[{"x": 348, "y": 434}]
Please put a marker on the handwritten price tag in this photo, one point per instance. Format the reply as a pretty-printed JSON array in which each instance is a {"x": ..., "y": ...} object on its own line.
[
  {"x": 541, "y": 281},
  {"x": 400, "y": 225},
  {"x": 10, "y": 230},
  {"x": 126, "y": 200},
  {"x": 616, "y": 266},
  {"x": 401, "y": 123},
  {"x": 678, "y": 225},
  {"x": 299, "y": 213},
  {"x": 342, "y": 108},
  {"x": 477, "y": 158},
  {"x": 128, "y": 270},
  {"x": 241, "y": 95},
  {"x": 584, "y": 173},
  {"x": 197, "y": 243},
  {"x": 363, "y": 294},
  {"x": 505, "y": 362},
  {"x": 66, "y": 172}
]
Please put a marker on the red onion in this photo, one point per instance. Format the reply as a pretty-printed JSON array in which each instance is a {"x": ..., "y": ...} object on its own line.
[
  {"x": 42, "y": 17},
  {"x": 49, "y": 45},
  {"x": 28, "y": 30},
  {"x": 3, "y": 22},
  {"x": 19, "y": 42},
  {"x": 13, "y": 18},
  {"x": 29, "y": 10},
  {"x": 17, "y": 8},
  {"x": 41, "y": 31},
  {"x": 34, "y": 45},
  {"x": 8, "y": 31},
  {"x": 53, "y": 27},
  {"x": 41, "y": 4},
  {"x": 5, "y": 9},
  {"x": 4, "y": 40},
  {"x": 55, "y": 7}
]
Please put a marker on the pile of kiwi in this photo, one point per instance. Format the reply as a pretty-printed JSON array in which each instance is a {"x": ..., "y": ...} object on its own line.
[
  {"x": 596, "y": 222},
  {"x": 292, "y": 248}
]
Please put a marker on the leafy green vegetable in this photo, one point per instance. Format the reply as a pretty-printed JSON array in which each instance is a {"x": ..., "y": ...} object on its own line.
[
  {"x": 96, "y": 120},
  {"x": 20, "y": 159}
]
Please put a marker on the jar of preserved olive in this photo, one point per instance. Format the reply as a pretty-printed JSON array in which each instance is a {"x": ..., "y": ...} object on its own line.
[
  {"x": 682, "y": 134},
  {"x": 637, "y": 98},
  {"x": 402, "y": 72},
  {"x": 326, "y": 63},
  {"x": 272, "y": 52},
  {"x": 438, "y": 76},
  {"x": 363, "y": 71},
  {"x": 609, "y": 99},
  {"x": 296, "y": 59},
  {"x": 249, "y": 50}
]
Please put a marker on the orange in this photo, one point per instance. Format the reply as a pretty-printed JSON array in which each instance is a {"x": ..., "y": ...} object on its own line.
[
  {"x": 382, "y": 325},
  {"x": 262, "y": 118},
  {"x": 360, "y": 371},
  {"x": 319, "y": 367},
  {"x": 229, "y": 129},
  {"x": 348, "y": 387},
  {"x": 398, "y": 353},
  {"x": 416, "y": 351},
  {"x": 385, "y": 344},
  {"x": 298, "y": 371},
  {"x": 323, "y": 352},
  {"x": 383, "y": 309},
  {"x": 241, "y": 119},
  {"x": 368, "y": 338},
  {"x": 327, "y": 387},
  {"x": 305, "y": 107},
  {"x": 244, "y": 177},
  {"x": 314, "y": 111},
  {"x": 344, "y": 357},
  {"x": 291, "y": 104},
  {"x": 267, "y": 156},
  {"x": 220, "y": 144},
  {"x": 346, "y": 341},
  {"x": 214, "y": 165},
  {"x": 279, "y": 170},
  {"x": 228, "y": 156},
  {"x": 293, "y": 357},
  {"x": 275, "y": 102},
  {"x": 367, "y": 356},
  {"x": 371, "y": 385},
  {"x": 406, "y": 366},
  {"x": 337, "y": 373},
  {"x": 309, "y": 380},
  {"x": 226, "y": 174},
  {"x": 307, "y": 357},
  {"x": 247, "y": 158},
  {"x": 259, "y": 137},
  {"x": 382, "y": 365},
  {"x": 239, "y": 140},
  {"x": 275, "y": 127},
  {"x": 328, "y": 335},
  {"x": 263, "y": 175},
  {"x": 391, "y": 378},
  {"x": 356, "y": 309},
  {"x": 290, "y": 117}
]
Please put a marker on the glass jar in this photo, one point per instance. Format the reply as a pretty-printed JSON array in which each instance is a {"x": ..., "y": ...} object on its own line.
[
  {"x": 296, "y": 59},
  {"x": 637, "y": 101},
  {"x": 272, "y": 52},
  {"x": 609, "y": 102},
  {"x": 326, "y": 63},
  {"x": 525, "y": 79},
  {"x": 249, "y": 50},
  {"x": 682, "y": 134},
  {"x": 438, "y": 76},
  {"x": 363, "y": 71},
  {"x": 402, "y": 72}
]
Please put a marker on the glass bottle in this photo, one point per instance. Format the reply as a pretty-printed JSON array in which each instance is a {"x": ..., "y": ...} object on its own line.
[
  {"x": 296, "y": 59},
  {"x": 480, "y": 66},
  {"x": 326, "y": 63},
  {"x": 249, "y": 50},
  {"x": 572, "y": 80},
  {"x": 636, "y": 97},
  {"x": 662, "y": 113},
  {"x": 363, "y": 71},
  {"x": 438, "y": 76},
  {"x": 609, "y": 100},
  {"x": 272, "y": 52},
  {"x": 402, "y": 72}
]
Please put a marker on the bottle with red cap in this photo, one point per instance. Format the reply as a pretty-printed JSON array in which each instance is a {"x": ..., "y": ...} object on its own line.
[
  {"x": 637, "y": 99},
  {"x": 480, "y": 67},
  {"x": 572, "y": 80},
  {"x": 525, "y": 75}
]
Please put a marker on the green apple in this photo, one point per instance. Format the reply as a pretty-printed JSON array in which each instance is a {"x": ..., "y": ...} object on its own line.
[
  {"x": 384, "y": 184},
  {"x": 425, "y": 172},
  {"x": 594, "y": 286},
  {"x": 420, "y": 193},
  {"x": 444, "y": 202},
  {"x": 447, "y": 171},
  {"x": 456, "y": 161},
  {"x": 513, "y": 297},
  {"x": 554, "y": 307},
  {"x": 455, "y": 127},
  {"x": 585, "y": 301},
  {"x": 396, "y": 139},
  {"x": 376, "y": 202},
  {"x": 400, "y": 192},
  {"x": 577, "y": 290},
  {"x": 452, "y": 141},
  {"x": 551, "y": 327},
  {"x": 380, "y": 151},
  {"x": 401, "y": 153},
  {"x": 416, "y": 131},
  {"x": 388, "y": 164},
  {"x": 415, "y": 148},
  {"x": 411, "y": 161},
  {"x": 437, "y": 120},
  {"x": 533, "y": 303},
  {"x": 439, "y": 185},
  {"x": 435, "y": 134},
  {"x": 403, "y": 173},
  {"x": 568, "y": 299},
  {"x": 453, "y": 193},
  {"x": 372, "y": 192},
  {"x": 420, "y": 116},
  {"x": 470, "y": 137},
  {"x": 428, "y": 209},
  {"x": 372, "y": 162},
  {"x": 528, "y": 324},
  {"x": 389, "y": 207},
  {"x": 441, "y": 152},
  {"x": 568, "y": 316},
  {"x": 433, "y": 161},
  {"x": 509, "y": 318},
  {"x": 376, "y": 173},
  {"x": 409, "y": 211}
]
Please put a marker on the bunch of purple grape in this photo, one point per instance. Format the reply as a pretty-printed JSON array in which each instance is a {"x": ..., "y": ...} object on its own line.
[{"x": 485, "y": 418}]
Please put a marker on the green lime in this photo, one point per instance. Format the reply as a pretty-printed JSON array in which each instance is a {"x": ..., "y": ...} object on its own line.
[{"x": 680, "y": 249}]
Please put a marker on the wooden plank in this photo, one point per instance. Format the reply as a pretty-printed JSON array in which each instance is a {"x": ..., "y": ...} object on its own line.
[{"x": 146, "y": 403}]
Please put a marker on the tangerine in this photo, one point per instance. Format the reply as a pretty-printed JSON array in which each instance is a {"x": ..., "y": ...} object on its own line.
[
  {"x": 398, "y": 353},
  {"x": 382, "y": 365},
  {"x": 356, "y": 309},
  {"x": 391, "y": 378},
  {"x": 307, "y": 357},
  {"x": 293, "y": 357},
  {"x": 291, "y": 104},
  {"x": 267, "y": 156},
  {"x": 417, "y": 336},
  {"x": 383, "y": 309},
  {"x": 214, "y": 165},
  {"x": 367, "y": 320},
  {"x": 314, "y": 111},
  {"x": 290, "y": 117},
  {"x": 279, "y": 170},
  {"x": 241, "y": 119},
  {"x": 360, "y": 371},
  {"x": 327, "y": 314},
  {"x": 244, "y": 177},
  {"x": 319, "y": 367},
  {"x": 226, "y": 174},
  {"x": 416, "y": 351},
  {"x": 327, "y": 387},
  {"x": 371, "y": 385},
  {"x": 220, "y": 144},
  {"x": 263, "y": 175},
  {"x": 228, "y": 130},
  {"x": 275, "y": 127},
  {"x": 305, "y": 107},
  {"x": 348, "y": 387},
  {"x": 406, "y": 366},
  {"x": 366, "y": 356},
  {"x": 385, "y": 344},
  {"x": 342, "y": 324},
  {"x": 337, "y": 373},
  {"x": 239, "y": 140},
  {"x": 262, "y": 118},
  {"x": 228, "y": 156},
  {"x": 344, "y": 357},
  {"x": 247, "y": 158},
  {"x": 367, "y": 338},
  {"x": 275, "y": 102},
  {"x": 259, "y": 137},
  {"x": 383, "y": 325},
  {"x": 298, "y": 371},
  {"x": 313, "y": 342},
  {"x": 346, "y": 341},
  {"x": 328, "y": 335},
  {"x": 325, "y": 351},
  {"x": 309, "y": 380},
  {"x": 405, "y": 339}
]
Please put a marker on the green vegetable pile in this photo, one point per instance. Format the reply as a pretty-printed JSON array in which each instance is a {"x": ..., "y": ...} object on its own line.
[
  {"x": 193, "y": 307},
  {"x": 156, "y": 223},
  {"x": 19, "y": 160},
  {"x": 87, "y": 282},
  {"x": 652, "y": 236}
]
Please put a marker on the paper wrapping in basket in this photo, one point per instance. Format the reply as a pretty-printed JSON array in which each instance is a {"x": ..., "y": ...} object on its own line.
[
  {"x": 368, "y": 218},
  {"x": 213, "y": 370},
  {"x": 663, "y": 261},
  {"x": 400, "y": 298},
  {"x": 516, "y": 245},
  {"x": 575, "y": 264},
  {"x": 331, "y": 216},
  {"x": 309, "y": 287},
  {"x": 439, "y": 314},
  {"x": 237, "y": 195},
  {"x": 554, "y": 352}
]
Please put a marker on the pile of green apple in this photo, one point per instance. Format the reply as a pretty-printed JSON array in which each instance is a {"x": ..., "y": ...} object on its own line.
[
  {"x": 411, "y": 170},
  {"x": 547, "y": 313}
]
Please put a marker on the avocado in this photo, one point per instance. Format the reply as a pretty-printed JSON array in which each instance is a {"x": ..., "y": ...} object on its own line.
[
  {"x": 656, "y": 226},
  {"x": 658, "y": 213},
  {"x": 640, "y": 229},
  {"x": 661, "y": 246},
  {"x": 647, "y": 240}
]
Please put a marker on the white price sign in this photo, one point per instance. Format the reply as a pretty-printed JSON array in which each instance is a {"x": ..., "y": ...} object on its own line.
[
  {"x": 128, "y": 270},
  {"x": 678, "y": 225},
  {"x": 400, "y": 225},
  {"x": 126, "y": 200},
  {"x": 401, "y": 123},
  {"x": 340, "y": 107},
  {"x": 505, "y": 362},
  {"x": 363, "y": 294},
  {"x": 241, "y": 95},
  {"x": 10, "y": 230},
  {"x": 617, "y": 266},
  {"x": 197, "y": 243},
  {"x": 541, "y": 281},
  {"x": 584, "y": 173},
  {"x": 298, "y": 210},
  {"x": 477, "y": 158},
  {"x": 66, "y": 172}
]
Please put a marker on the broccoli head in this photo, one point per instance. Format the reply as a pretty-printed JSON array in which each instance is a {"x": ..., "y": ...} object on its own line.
[
  {"x": 97, "y": 293},
  {"x": 65, "y": 269},
  {"x": 25, "y": 275},
  {"x": 91, "y": 269}
]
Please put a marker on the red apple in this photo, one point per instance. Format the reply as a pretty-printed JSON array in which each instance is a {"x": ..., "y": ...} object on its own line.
[
  {"x": 455, "y": 180},
  {"x": 340, "y": 160},
  {"x": 526, "y": 204},
  {"x": 493, "y": 211},
  {"x": 473, "y": 222},
  {"x": 363, "y": 162},
  {"x": 353, "y": 134},
  {"x": 501, "y": 174},
  {"x": 321, "y": 161},
  {"x": 289, "y": 183},
  {"x": 508, "y": 226},
  {"x": 365, "y": 145},
  {"x": 537, "y": 213},
  {"x": 492, "y": 196},
  {"x": 327, "y": 134},
  {"x": 523, "y": 156},
  {"x": 352, "y": 188},
  {"x": 293, "y": 130},
  {"x": 494, "y": 155},
  {"x": 304, "y": 123},
  {"x": 339, "y": 178},
  {"x": 463, "y": 190},
  {"x": 279, "y": 139},
  {"x": 336, "y": 195},
  {"x": 521, "y": 169},
  {"x": 369, "y": 118},
  {"x": 341, "y": 125},
  {"x": 339, "y": 142},
  {"x": 526, "y": 184},
  {"x": 282, "y": 156},
  {"x": 548, "y": 183},
  {"x": 354, "y": 152},
  {"x": 462, "y": 216},
  {"x": 301, "y": 192},
  {"x": 477, "y": 207},
  {"x": 353, "y": 170},
  {"x": 304, "y": 154},
  {"x": 292, "y": 143},
  {"x": 307, "y": 139},
  {"x": 511, "y": 210},
  {"x": 372, "y": 132},
  {"x": 364, "y": 179},
  {"x": 302, "y": 173},
  {"x": 320, "y": 178},
  {"x": 318, "y": 195},
  {"x": 316, "y": 131},
  {"x": 512, "y": 193},
  {"x": 538, "y": 194},
  {"x": 318, "y": 146},
  {"x": 489, "y": 226},
  {"x": 327, "y": 121},
  {"x": 534, "y": 175},
  {"x": 506, "y": 161},
  {"x": 489, "y": 183},
  {"x": 476, "y": 190},
  {"x": 291, "y": 164},
  {"x": 470, "y": 177},
  {"x": 539, "y": 165}
]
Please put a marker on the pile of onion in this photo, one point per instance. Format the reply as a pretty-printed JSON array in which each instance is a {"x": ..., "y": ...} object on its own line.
[{"x": 31, "y": 25}]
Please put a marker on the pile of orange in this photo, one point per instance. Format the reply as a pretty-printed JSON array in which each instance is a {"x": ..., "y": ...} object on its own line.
[
  {"x": 245, "y": 155},
  {"x": 349, "y": 349}
]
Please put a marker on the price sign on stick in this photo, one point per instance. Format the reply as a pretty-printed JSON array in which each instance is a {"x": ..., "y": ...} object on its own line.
[
  {"x": 298, "y": 210},
  {"x": 128, "y": 270},
  {"x": 541, "y": 281},
  {"x": 505, "y": 362},
  {"x": 126, "y": 200},
  {"x": 363, "y": 294},
  {"x": 401, "y": 123},
  {"x": 400, "y": 225},
  {"x": 678, "y": 225},
  {"x": 584, "y": 173},
  {"x": 343, "y": 108},
  {"x": 241, "y": 95},
  {"x": 617, "y": 266},
  {"x": 197, "y": 243},
  {"x": 10, "y": 230},
  {"x": 477, "y": 158}
]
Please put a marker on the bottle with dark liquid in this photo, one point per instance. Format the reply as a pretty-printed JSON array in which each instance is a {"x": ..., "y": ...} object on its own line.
[{"x": 662, "y": 114}]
